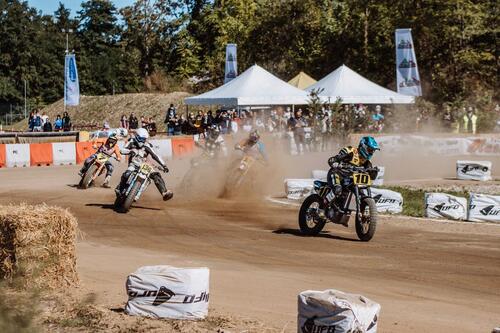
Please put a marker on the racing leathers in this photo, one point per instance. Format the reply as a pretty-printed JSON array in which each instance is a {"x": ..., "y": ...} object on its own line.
[
  {"x": 138, "y": 155},
  {"x": 351, "y": 156},
  {"x": 252, "y": 148},
  {"x": 212, "y": 146}
]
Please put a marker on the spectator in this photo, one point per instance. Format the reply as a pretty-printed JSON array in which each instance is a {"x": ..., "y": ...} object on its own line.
[
  {"x": 124, "y": 122},
  {"x": 470, "y": 120},
  {"x": 171, "y": 125},
  {"x": 30, "y": 121},
  {"x": 44, "y": 119},
  {"x": 66, "y": 120},
  {"x": 448, "y": 119},
  {"x": 144, "y": 122},
  {"x": 133, "y": 122},
  {"x": 58, "y": 123},
  {"x": 171, "y": 113},
  {"x": 178, "y": 126},
  {"x": 47, "y": 125},
  {"x": 151, "y": 126},
  {"x": 37, "y": 122},
  {"x": 209, "y": 119},
  {"x": 297, "y": 124},
  {"x": 184, "y": 124}
]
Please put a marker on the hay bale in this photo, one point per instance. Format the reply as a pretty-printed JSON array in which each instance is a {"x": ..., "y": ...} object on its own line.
[{"x": 37, "y": 244}]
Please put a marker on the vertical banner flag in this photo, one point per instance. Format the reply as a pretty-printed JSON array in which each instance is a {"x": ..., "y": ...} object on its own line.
[
  {"x": 71, "y": 84},
  {"x": 231, "y": 63},
  {"x": 407, "y": 76}
]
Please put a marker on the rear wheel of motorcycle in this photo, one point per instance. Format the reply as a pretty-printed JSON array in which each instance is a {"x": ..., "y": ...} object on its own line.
[
  {"x": 127, "y": 203},
  {"x": 367, "y": 221},
  {"x": 87, "y": 178},
  {"x": 309, "y": 225}
]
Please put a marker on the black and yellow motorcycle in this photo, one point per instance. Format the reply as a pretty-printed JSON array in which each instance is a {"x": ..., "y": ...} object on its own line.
[{"x": 324, "y": 205}]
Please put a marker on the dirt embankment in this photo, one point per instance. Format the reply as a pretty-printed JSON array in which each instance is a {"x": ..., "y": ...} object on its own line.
[{"x": 98, "y": 109}]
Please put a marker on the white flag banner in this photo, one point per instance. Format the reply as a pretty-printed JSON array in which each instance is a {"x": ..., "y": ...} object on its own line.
[
  {"x": 231, "y": 63},
  {"x": 71, "y": 84},
  {"x": 408, "y": 79}
]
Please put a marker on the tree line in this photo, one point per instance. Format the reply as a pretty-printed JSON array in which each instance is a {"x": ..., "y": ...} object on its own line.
[{"x": 180, "y": 44}]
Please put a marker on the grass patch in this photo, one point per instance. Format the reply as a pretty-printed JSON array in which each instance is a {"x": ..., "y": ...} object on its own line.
[{"x": 414, "y": 199}]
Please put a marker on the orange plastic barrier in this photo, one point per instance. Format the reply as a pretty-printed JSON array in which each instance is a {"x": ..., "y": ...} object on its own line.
[
  {"x": 41, "y": 154},
  {"x": 3, "y": 156},
  {"x": 83, "y": 150},
  {"x": 182, "y": 146}
]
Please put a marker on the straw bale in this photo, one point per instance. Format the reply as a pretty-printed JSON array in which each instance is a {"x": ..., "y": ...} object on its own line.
[{"x": 37, "y": 244}]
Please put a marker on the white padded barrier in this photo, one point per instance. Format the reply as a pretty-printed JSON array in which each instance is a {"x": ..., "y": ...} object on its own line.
[
  {"x": 17, "y": 155},
  {"x": 168, "y": 292},
  {"x": 335, "y": 311},
  {"x": 297, "y": 189},
  {"x": 64, "y": 153},
  {"x": 474, "y": 170},
  {"x": 442, "y": 205},
  {"x": 387, "y": 201},
  {"x": 483, "y": 207}
]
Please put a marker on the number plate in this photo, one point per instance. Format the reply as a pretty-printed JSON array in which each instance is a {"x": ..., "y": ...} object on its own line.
[
  {"x": 101, "y": 158},
  {"x": 361, "y": 179},
  {"x": 146, "y": 169}
]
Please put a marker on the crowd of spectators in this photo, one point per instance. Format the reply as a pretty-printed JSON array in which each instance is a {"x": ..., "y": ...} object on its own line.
[{"x": 42, "y": 123}]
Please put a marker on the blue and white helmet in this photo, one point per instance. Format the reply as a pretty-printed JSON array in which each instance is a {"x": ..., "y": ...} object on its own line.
[
  {"x": 367, "y": 146},
  {"x": 141, "y": 136}
]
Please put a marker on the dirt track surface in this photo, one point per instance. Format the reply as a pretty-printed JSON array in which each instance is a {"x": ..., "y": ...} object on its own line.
[{"x": 428, "y": 276}]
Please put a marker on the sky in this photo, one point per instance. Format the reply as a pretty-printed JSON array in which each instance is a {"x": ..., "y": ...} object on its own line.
[{"x": 50, "y": 6}]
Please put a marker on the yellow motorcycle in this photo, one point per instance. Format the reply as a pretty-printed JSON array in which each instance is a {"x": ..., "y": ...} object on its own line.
[{"x": 94, "y": 170}]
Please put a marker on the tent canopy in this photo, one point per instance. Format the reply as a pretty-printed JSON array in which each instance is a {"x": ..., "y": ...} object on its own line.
[
  {"x": 353, "y": 88},
  {"x": 302, "y": 81},
  {"x": 255, "y": 86}
]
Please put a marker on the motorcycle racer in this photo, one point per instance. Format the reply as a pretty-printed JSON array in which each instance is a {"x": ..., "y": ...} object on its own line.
[
  {"x": 359, "y": 157},
  {"x": 138, "y": 150},
  {"x": 109, "y": 148},
  {"x": 252, "y": 145},
  {"x": 213, "y": 143}
]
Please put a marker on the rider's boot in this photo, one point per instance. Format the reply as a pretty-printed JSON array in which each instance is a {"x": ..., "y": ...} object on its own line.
[
  {"x": 167, "y": 195},
  {"x": 106, "y": 182}
]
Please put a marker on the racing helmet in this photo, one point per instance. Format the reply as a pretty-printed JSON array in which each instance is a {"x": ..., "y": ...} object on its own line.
[
  {"x": 367, "y": 146},
  {"x": 254, "y": 136},
  {"x": 213, "y": 132},
  {"x": 141, "y": 136},
  {"x": 112, "y": 140}
]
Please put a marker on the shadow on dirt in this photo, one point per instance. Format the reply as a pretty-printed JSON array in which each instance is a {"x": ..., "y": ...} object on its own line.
[
  {"x": 296, "y": 232},
  {"x": 112, "y": 206}
]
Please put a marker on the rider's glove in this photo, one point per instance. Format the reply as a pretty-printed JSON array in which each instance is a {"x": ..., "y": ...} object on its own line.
[{"x": 165, "y": 169}]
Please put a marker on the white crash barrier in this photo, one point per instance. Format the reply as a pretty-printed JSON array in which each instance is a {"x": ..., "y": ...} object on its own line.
[
  {"x": 322, "y": 174},
  {"x": 387, "y": 201},
  {"x": 163, "y": 147},
  {"x": 483, "y": 207},
  {"x": 168, "y": 292},
  {"x": 335, "y": 311},
  {"x": 474, "y": 170},
  {"x": 297, "y": 189},
  {"x": 17, "y": 155},
  {"x": 442, "y": 205},
  {"x": 64, "y": 153}
]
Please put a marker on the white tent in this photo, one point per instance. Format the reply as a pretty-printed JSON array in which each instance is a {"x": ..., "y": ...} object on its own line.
[
  {"x": 255, "y": 86},
  {"x": 353, "y": 88}
]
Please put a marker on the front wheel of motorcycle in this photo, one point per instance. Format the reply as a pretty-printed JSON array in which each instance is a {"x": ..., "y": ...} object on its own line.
[
  {"x": 310, "y": 222},
  {"x": 127, "y": 203},
  {"x": 88, "y": 177},
  {"x": 366, "y": 223}
]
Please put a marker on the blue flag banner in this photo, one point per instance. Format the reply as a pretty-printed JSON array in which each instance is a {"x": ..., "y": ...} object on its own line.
[
  {"x": 407, "y": 76},
  {"x": 71, "y": 84},
  {"x": 231, "y": 63}
]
